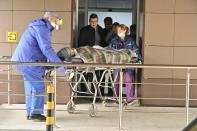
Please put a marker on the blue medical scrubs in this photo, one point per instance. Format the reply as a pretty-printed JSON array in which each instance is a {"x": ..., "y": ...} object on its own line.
[
  {"x": 35, "y": 46},
  {"x": 34, "y": 85}
]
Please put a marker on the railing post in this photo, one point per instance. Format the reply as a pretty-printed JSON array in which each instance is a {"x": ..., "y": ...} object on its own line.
[
  {"x": 55, "y": 94},
  {"x": 120, "y": 100},
  {"x": 50, "y": 108},
  {"x": 187, "y": 96},
  {"x": 9, "y": 85},
  {"x": 136, "y": 82}
]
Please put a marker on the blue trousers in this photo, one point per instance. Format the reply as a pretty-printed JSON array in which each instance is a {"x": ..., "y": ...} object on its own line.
[{"x": 34, "y": 85}]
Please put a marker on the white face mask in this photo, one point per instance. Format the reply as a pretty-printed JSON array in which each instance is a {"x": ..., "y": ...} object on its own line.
[
  {"x": 55, "y": 26},
  {"x": 59, "y": 22},
  {"x": 121, "y": 35}
]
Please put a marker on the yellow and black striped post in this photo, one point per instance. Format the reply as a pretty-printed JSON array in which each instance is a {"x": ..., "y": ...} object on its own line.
[{"x": 50, "y": 108}]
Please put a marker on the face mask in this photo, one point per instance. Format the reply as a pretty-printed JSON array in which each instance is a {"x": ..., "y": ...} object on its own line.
[
  {"x": 53, "y": 24},
  {"x": 57, "y": 27},
  {"x": 121, "y": 35},
  {"x": 57, "y": 24}
]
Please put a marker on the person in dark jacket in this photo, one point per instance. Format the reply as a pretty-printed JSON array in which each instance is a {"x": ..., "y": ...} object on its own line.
[
  {"x": 120, "y": 41},
  {"x": 108, "y": 28},
  {"x": 35, "y": 46},
  {"x": 133, "y": 31},
  {"x": 91, "y": 34},
  {"x": 112, "y": 33},
  {"x": 138, "y": 72}
]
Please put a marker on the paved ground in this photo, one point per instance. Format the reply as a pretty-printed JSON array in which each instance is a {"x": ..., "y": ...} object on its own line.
[{"x": 135, "y": 118}]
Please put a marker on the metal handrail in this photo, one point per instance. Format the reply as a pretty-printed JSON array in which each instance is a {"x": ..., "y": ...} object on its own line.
[
  {"x": 157, "y": 66},
  {"x": 113, "y": 66}
]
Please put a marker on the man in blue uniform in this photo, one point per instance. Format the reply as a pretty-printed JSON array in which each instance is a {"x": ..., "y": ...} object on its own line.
[{"x": 35, "y": 46}]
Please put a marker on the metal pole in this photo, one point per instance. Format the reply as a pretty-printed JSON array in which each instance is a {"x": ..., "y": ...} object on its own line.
[
  {"x": 135, "y": 81},
  {"x": 134, "y": 11},
  {"x": 120, "y": 100},
  {"x": 55, "y": 95},
  {"x": 187, "y": 96},
  {"x": 9, "y": 89},
  {"x": 126, "y": 65},
  {"x": 76, "y": 21},
  {"x": 137, "y": 42},
  {"x": 138, "y": 22},
  {"x": 86, "y": 12}
]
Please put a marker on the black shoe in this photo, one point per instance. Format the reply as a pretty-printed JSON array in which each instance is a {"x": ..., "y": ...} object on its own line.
[
  {"x": 28, "y": 117},
  {"x": 38, "y": 117}
]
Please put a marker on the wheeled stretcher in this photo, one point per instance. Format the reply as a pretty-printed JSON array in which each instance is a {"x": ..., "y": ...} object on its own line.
[{"x": 79, "y": 73}]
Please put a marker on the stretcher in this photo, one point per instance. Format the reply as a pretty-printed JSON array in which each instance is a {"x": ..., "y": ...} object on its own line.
[
  {"x": 78, "y": 75},
  {"x": 89, "y": 85},
  {"x": 75, "y": 76}
]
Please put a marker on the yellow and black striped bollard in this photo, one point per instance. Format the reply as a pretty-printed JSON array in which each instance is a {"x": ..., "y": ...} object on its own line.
[{"x": 50, "y": 108}]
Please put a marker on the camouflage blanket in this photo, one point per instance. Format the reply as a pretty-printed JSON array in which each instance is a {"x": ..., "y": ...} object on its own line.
[{"x": 105, "y": 55}]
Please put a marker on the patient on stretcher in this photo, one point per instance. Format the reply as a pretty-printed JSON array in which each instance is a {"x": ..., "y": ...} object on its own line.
[
  {"x": 97, "y": 54},
  {"x": 67, "y": 53}
]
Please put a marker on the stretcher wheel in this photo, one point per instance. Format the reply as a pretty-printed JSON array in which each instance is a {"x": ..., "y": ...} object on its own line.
[
  {"x": 124, "y": 104},
  {"x": 104, "y": 103},
  {"x": 93, "y": 110},
  {"x": 71, "y": 107}
]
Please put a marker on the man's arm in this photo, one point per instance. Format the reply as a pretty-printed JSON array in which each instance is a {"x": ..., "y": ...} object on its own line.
[{"x": 43, "y": 37}]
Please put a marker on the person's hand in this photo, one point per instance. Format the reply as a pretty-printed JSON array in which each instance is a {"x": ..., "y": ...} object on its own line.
[
  {"x": 49, "y": 76},
  {"x": 52, "y": 72},
  {"x": 69, "y": 74}
]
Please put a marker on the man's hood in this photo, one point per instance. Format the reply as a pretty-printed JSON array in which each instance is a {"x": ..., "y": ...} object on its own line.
[{"x": 42, "y": 22}]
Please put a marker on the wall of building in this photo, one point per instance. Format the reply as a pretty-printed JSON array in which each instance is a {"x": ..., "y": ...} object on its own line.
[
  {"x": 15, "y": 16},
  {"x": 169, "y": 38}
]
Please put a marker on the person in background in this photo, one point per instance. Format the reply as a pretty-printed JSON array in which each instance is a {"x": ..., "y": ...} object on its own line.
[
  {"x": 138, "y": 72},
  {"x": 35, "y": 46},
  {"x": 108, "y": 28},
  {"x": 91, "y": 34},
  {"x": 133, "y": 31},
  {"x": 109, "y": 36},
  {"x": 120, "y": 41},
  {"x": 133, "y": 35},
  {"x": 112, "y": 33}
]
